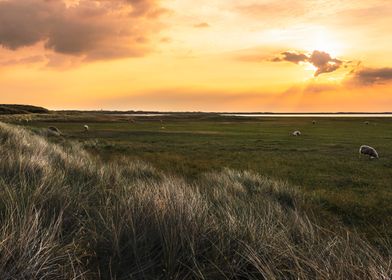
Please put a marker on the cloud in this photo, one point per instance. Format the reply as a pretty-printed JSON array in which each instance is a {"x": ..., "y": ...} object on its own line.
[
  {"x": 371, "y": 76},
  {"x": 201, "y": 25},
  {"x": 319, "y": 59},
  {"x": 291, "y": 57},
  {"x": 24, "y": 60},
  {"x": 145, "y": 7},
  {"x": 324, "y": 63},
  {"x": 274, "y": 11},
  {"x": 93, "y": 29},
  {"x": 165, "y": 40}
]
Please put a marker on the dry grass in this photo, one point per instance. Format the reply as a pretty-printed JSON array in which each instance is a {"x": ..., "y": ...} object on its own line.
[{"x": 65, "y": 215}]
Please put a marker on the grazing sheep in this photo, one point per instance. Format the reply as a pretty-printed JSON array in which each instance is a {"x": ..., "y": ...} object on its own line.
[
  {"x": 297, "y": 133},
  {"x": 24, "y": 119},
  {"x": 367, "y": 150},
  {"x": 367, "y": 122},
  {"x": 54, "y": 131},
  {"x": 86, "y": 128}
]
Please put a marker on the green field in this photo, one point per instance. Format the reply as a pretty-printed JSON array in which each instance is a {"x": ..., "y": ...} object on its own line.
[
  {"x": 324, "y": 162},
  {"x": 193, "y": 196}
]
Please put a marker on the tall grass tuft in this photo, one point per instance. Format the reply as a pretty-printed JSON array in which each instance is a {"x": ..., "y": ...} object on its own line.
[{"x": 66, "y": 215}]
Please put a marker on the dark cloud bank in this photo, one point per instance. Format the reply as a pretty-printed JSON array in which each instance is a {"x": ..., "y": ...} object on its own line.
[
  {"x": 370, "y": 76},
  {"x": 96, "y": 29}
]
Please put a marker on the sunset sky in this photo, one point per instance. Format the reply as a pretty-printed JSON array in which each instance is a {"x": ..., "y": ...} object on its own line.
[{"x": 206, "y": 55}]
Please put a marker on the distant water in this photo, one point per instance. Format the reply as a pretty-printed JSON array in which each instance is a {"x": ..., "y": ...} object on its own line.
[
  {"x": 375, "y": 115},
  {"x": 139, "y": 115},
  {"x": 313, "y": 115}
]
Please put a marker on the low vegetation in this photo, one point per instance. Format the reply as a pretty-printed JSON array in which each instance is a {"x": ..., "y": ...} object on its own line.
[
  {"x": 9, "y": 109},
  {"x": 324, "y": 161},
  {"x": 67, "y": 215}
]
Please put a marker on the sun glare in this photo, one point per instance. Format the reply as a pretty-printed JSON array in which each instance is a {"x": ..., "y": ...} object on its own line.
[{"x": 322, "y": 39}]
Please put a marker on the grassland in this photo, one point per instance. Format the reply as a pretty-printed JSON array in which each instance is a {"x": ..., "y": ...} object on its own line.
[
  {"x": 7, "y": 109},
  {"x": 323, "y": 163},
  {"x": 68, "y": 214}
]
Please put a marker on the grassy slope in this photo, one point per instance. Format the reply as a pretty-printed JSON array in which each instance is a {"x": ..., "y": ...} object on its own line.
[
  {"x": 65, "y": 215},
  {"x": 21, "y": 109},
  {"x": 324, "y": 161}
]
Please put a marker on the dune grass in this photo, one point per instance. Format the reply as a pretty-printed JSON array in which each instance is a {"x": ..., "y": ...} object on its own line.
[{"x": 67, "y": 215}]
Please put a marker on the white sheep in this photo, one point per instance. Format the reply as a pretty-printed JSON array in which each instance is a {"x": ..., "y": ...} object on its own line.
[
  {"x": 297, "y": 133},
  {"x": 369, "y": 151},
  {"x": 86, "y": 128}
]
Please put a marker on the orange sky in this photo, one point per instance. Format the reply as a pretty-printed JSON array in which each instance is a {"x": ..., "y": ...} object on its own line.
[{"x": 183, "y": 55}]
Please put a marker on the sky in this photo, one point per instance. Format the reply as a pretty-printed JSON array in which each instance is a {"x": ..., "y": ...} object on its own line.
[{"x": 205, "y": 55}]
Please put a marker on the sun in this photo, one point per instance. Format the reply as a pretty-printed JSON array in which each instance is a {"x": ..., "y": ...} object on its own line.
[{"x": 322, "y": 39}]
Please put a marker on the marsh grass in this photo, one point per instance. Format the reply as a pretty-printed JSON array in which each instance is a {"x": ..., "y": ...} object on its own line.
[{"x": 66, "y": 215}]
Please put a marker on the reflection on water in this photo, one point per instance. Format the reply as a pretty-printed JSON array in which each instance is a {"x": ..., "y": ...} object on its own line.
[
  {"x": 139, "y": 115},
  {"x": 315, "y": 115},
  {"x": 312, "y": 115}
]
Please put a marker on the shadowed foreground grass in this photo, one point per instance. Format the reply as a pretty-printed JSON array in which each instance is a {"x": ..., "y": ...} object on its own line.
[{"x": 65, "y": 215}]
